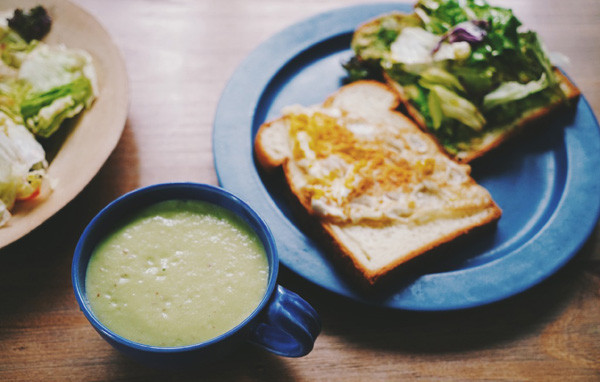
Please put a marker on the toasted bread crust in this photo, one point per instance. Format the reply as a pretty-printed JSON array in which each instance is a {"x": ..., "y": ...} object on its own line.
[
  {"x": 327, "y": 235},
  {"x": 570, "y": 90},
  {"x": 373, "y": 277},
  {"x": 266, "y": 161},
  {"x": 392, "y": 106},
  {"x": 571, "y": 93},
  {"x": 342, "y": 256}
]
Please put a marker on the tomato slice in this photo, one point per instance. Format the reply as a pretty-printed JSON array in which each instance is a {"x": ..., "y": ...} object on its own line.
[{"x": 31, "y": 196}]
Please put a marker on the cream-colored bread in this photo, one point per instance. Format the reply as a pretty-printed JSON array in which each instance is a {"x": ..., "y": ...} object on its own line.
[{"x": 381, "y": 189}]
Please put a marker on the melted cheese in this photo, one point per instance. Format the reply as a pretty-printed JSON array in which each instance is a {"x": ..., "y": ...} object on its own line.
[{"x": 355, "y": 170}]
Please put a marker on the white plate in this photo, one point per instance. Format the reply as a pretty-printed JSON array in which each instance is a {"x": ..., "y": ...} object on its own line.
[{"x": 93, "y": 136}]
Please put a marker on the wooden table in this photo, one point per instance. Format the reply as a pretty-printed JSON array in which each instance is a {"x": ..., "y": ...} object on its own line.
[{"x": 180, "y": 55}]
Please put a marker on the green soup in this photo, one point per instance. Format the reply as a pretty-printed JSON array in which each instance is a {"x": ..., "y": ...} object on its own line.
[{"x": 180, "y": 272}]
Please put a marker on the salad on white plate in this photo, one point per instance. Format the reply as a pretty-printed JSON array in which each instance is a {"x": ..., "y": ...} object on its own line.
[{"x": 41, "y": 86}]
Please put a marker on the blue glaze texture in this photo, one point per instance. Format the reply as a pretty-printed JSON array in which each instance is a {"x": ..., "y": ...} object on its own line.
[{"x": 546, "y": 182}]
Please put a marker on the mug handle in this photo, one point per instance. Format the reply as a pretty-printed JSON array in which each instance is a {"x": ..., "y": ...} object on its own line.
[{"x": 288, "y": 327}]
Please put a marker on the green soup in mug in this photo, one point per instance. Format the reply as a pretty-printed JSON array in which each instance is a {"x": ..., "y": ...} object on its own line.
[{"x": 178, "y": 273}]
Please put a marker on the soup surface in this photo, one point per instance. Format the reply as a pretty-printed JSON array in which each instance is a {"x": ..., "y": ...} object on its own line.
[{"x": 178, "y": 273}]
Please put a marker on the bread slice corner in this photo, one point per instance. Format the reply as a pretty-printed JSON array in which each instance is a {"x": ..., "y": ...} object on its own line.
[{"x": 371, "y": 250}]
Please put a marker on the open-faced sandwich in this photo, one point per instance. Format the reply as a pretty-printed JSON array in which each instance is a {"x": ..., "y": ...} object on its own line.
[
  {"x": 464, "y": 71},
  {"x": 381, "y": 190}
]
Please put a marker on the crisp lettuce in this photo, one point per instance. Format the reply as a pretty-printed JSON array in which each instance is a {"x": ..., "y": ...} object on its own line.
[
  {"x": 11, "y": 92},
  {"x": 48, "y": 67},
  {"x": 22, "y": 164},
  {"x": 456, "y": 107},
  {"x": 40, "y": 87},
  {"x": 465, "y": 65},
  {"x": 413, "y": 46},
  {"x": 43, "y": 113},
  {"x": 435, "y": 75},
  {"x": 13, "y": 49},
  {"x": 52, "y": 83},
  {"x": 512, "y": 91}
]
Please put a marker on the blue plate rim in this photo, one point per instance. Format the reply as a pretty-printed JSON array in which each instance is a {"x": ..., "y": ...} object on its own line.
[{"x": 238, "y": 174}]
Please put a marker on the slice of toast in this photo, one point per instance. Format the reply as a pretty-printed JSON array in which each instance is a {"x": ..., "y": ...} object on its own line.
[
  {"x": 381, "y": 190},
  {"x": 369, "y": 48}
]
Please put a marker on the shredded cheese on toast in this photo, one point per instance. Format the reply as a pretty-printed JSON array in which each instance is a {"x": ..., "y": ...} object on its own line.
[{"x": 358, "y": 171}]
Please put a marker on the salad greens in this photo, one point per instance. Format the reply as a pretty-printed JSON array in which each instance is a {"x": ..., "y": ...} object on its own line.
[
  {"x": 22, "y": 165},
  {"x": 463, "y": 64},
  {"x": 60, "y": 86},
  {"x": 40, "y": 86}
]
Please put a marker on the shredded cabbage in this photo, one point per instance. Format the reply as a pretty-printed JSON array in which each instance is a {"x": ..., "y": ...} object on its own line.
[
  {"x": 40, "y": 87},
  {"x": 456, "y": 107},
  {"x": 22, "y": 164},
  {"x": 512, "y": 91}
]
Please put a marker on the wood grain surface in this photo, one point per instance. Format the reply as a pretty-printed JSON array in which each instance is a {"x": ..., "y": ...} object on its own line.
[{"x": 179, "y": 56}]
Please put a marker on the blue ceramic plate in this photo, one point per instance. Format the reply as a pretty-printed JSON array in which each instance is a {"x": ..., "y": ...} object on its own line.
[{"x": 547, "y": 183}]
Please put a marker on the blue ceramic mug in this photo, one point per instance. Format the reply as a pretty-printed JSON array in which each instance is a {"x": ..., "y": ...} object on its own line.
[{"x": 283, "y": 323}]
